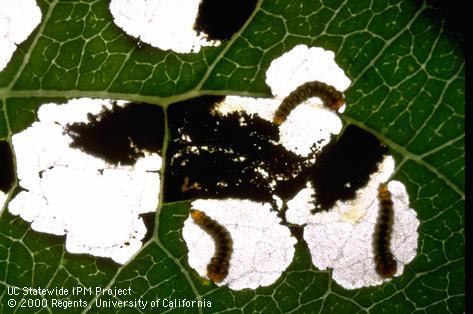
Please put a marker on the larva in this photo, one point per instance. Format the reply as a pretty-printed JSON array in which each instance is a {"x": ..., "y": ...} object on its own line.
[
  {"x": 386, "y": 265},
  {"x": 330, "y": 96},
  {"x": 219, "y": 264}
]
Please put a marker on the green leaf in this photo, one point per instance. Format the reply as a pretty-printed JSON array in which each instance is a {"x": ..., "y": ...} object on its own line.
[{"x": 407, "y": 72}]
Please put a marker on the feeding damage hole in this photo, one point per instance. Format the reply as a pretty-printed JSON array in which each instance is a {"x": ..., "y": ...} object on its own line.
[
  {"x": 120, "y": 134},
  {"x": 7, "y": 171},
  {"x": 219, "y": 20},
  {"x": 344, "y": 166},
  {"x": 236, "y": 155},
  {"x": 17, "y": 20},
  {"x": 96, "y": 198},
  {"x": 184, "y": 26},
  {"x": 6, "y": 167}
]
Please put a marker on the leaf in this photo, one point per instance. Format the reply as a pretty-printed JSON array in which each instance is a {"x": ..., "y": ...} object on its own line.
[{"x": 407, "y": 69}]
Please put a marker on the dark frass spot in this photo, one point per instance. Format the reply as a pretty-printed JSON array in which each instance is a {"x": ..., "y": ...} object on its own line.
[
  {"x": 120, "y": 135},
  {"x": 7, "y": 173},
  {"x": 345, "y": 165},
  {"x": 219, "y": 20},
  {"x": 213, "y": 156}
]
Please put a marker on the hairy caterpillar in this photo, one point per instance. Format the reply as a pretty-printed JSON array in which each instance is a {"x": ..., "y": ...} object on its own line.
[
  {"x": 330, "y": 96},
  {"x": 217, "y": 269},
  {"x": 386, "y": 265}
]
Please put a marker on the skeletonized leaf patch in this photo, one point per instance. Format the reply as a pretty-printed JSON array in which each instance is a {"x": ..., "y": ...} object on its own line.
[
  {"x": 66, "y": 191},
  {"x": 17, "y": 20},
  {"x": 262, "y": 247}
]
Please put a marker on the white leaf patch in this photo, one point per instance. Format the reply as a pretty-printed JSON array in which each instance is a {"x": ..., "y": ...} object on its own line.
[
  {"x": 303, "y": 64},
  {"x": 262, "y": 247},
  {"x": 309, "y": 123},
  {"x": 342, "y": 238},
  {"x": 299, "y": 207},
  {"x": 95, "y": 204},
  {"x": 17, "y": 20},
  {"x": 164, "y": 24}
]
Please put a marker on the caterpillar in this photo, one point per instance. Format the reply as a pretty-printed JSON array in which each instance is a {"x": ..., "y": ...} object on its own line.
[
  {"x": 219, "y": 264},
  {"x": 330, "y": 96},
  {"x": 385, "y": 263}
]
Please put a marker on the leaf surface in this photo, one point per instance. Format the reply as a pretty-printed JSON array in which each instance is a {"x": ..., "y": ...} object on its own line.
[{"x": 407, "y": 72}]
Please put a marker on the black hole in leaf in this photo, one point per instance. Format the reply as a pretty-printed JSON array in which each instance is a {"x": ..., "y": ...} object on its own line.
[
  {"x": 288, "y": 189},
  {"x": 148, "y": 219},
  {"x": 221, "y": 19},
  {"x": 7, "y": 173},
  {"x": 297, "y": 232},
  {"x": 345, "y": 165},
  {"x": 220, "y": 157},
  {"x": 121, "y": 134}
]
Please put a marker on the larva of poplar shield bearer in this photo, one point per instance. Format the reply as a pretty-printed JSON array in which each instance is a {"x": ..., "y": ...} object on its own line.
[
  {"x": 219, "y": 264},
  {"x": 330, "y": 96},
  {"x": 386, "y": 265}
]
